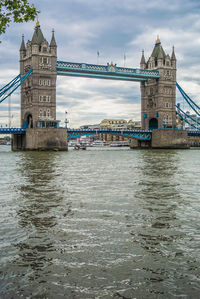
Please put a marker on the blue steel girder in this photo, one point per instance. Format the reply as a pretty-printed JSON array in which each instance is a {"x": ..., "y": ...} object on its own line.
[
  {"x": 104, "y": 71},
  {"x": 137, "y": 134},
  {"x": 8, "y": 89},
  {"x": 194, "y": 133},
  {"x": 12, "y": 131}
]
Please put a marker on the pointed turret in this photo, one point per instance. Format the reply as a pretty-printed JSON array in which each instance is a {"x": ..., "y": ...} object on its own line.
[
  {"x": 142, "y": 58},
  {"x": 53, "y": 46},
  {"x": 173, "y": 56},
  {"x": 157, "y": 49},
  {"x": 53, "y": 41},
  {"x": 22, "y": 48},
  {"x": 38, "y": 37},
  {"x": 34, "y": 38},
  {"x": 142, "y": 62}
]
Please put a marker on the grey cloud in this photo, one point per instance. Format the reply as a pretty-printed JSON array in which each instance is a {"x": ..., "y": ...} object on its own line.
[{"x": 113, "y": 27}]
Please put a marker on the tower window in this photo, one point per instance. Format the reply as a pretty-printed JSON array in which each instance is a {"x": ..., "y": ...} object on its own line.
[
  {"x": 45, "y": 98},
  {"x": 44, "y": 49},
  {"x": 44, "y": 82}
]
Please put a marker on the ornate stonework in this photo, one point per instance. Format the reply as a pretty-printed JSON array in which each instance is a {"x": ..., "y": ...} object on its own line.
[
  {"x": 38, "y": 93},
  {"x": 158, "y": 96}
]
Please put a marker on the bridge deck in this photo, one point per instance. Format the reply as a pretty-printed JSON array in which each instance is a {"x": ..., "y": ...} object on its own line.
[
  {"x": 76, "y": 133},
  {"x": 138, "y": 134},
  {"x": 8, "y": 131}
]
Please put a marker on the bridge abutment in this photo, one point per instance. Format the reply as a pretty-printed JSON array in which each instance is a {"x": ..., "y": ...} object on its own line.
[
  {"x": 170, "y": 139},
  {"x": 164, "y": 139},
  {"x": 41, "y": 139}
]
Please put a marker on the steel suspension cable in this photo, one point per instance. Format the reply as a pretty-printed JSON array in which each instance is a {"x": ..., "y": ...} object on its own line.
[{"x": 16, "y": 83}]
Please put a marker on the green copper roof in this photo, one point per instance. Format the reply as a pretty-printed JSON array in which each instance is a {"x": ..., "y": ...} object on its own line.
[
  {"x": 38, "y": 37},
  {"x": 158, "y": 49}
]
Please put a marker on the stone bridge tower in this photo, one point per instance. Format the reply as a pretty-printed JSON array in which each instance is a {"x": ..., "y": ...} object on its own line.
[
  {"x": 38, "y": 96},
  {"x": 158, "y": 96},
  {"x": 38, "y": 93}
]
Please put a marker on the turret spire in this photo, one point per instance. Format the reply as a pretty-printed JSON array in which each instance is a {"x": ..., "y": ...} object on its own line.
[
  {"x": 38, "y": 37},
  {"x": 142, "y": 58},
  {"x": 173, "y": 56},
  {"x": 22, "y": 48},
  {"x": 53, "y": 41}
]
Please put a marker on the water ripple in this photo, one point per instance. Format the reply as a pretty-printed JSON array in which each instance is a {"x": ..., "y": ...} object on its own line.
[{"x": 100, "y": 224}]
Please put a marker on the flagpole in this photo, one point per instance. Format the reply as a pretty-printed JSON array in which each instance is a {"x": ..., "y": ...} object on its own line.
[{"x": 124, "y": 59}]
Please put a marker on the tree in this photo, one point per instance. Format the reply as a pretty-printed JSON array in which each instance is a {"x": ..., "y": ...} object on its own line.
[{"x": 18, "y": 11}]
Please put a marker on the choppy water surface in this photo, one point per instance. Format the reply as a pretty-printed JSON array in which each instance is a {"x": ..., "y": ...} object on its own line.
[{"x": 101, "y": 223}]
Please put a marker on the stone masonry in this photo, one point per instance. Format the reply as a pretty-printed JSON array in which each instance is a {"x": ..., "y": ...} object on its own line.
[
  {"x": 158, "y": 96},
  {"x": 38, "y": 93}
]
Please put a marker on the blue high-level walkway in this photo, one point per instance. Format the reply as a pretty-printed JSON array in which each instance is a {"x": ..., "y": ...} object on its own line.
[{"x": 104, "y": 71}]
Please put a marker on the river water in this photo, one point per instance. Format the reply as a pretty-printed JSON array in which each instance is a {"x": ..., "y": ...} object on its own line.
[{"x": 100, "y": 223}]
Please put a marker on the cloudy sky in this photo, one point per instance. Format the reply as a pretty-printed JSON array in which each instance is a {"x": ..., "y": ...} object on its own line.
[{"x": 114, "y": 28}]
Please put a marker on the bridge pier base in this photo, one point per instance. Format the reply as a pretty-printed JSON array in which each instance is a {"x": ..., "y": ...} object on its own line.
[
  {"x": 164, "y": 139},
  {"x": 43, "y": 139},
  {"x": 171, "y": 139},
  {"x": 18, "y": 142},
  {"x": 136, "y": 143}
]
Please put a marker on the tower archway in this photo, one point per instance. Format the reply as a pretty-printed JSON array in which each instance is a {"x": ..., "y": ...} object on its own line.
[
  {"x": 29, "y": 121},
  {"x": 153, "y": 124}
]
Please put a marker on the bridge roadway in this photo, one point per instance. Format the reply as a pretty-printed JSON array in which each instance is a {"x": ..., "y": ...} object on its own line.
[
  {"x": 109, "y": 71},
  {"x": 76, "y": 133},
  {"x": 138, "y": 134}
]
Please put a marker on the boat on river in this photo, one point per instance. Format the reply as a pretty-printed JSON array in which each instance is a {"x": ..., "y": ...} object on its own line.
[
  {"x": 79, "y": 146},
  {"x": 99, "y": 143}
]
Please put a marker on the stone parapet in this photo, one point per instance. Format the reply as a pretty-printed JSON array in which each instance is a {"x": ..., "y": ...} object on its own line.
[{"x": 164, "y": 138}]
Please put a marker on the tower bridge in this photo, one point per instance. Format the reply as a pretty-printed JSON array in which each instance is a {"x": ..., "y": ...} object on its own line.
[{"x": 39, "y": 125}]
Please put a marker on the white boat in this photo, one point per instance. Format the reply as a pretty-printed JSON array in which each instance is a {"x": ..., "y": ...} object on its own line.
[
  {"x": 120, "y": 143},
  {"x": 98, "y": 143}
]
